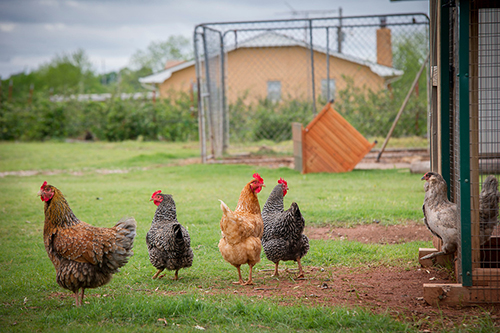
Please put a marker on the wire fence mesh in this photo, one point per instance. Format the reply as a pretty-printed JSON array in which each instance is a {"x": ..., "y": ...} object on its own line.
[
  {"x": 475, "y": 146},
  {"x": 256, "y": 78},
  {"x": 485, "y": 150}
]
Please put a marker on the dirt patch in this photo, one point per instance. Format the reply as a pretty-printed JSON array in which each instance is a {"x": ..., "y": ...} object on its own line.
[
  {"x": 381, "y": 290},
  {"x": 373, "y": 233},
  {"x": 397, "y": 291}
]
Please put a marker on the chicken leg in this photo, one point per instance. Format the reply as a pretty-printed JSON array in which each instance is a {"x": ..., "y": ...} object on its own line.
[
  {"x": 276, "y": 273},
  {"x": 239, "y": 275},
  {"x": 157, "y": 273},
  {"x": 79, "y": 297},
  {"x": 301, "y": 271},
  {"x": 249, "y": 282}
]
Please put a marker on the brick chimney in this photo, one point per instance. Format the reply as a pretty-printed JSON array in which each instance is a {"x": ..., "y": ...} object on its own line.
[{"x": 384, "y": 44}]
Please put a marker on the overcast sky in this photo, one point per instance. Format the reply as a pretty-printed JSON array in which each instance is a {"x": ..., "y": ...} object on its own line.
[{"x": 32, "y": 32}]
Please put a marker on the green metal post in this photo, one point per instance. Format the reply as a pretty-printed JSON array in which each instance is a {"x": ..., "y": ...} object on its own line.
[
  {"x": 464, "y": 140},
  {"x": 445, "y": 73}
]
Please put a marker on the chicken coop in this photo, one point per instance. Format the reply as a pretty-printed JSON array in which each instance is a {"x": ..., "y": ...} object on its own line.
[{"x": 464, "y": 127}]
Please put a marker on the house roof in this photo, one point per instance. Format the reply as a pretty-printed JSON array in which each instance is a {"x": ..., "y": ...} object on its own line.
[
  {"x": 272, "y": 39},
  {"x": 165, "y": 74}
]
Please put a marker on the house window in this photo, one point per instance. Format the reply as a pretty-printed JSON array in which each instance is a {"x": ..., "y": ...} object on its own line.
[
  {"x": 325, "y": 84},
  {"x": 274, "y": 91}
]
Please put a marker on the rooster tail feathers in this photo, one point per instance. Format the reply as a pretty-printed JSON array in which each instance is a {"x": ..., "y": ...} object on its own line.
[
  {"x": 129, "y": 227},
  {"x": 125, "y": 235}
]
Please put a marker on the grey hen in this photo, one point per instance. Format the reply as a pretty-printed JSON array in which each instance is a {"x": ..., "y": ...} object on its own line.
[
  {"x": 440, "y": 215},
  {"x": 169, "y": 244},
  {"x": 283, "y": 237},
  {"x": 488, "y": 208}
]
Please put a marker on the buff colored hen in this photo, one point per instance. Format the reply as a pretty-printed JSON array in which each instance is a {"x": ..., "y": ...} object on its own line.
[{"x": 242, "y": 229}]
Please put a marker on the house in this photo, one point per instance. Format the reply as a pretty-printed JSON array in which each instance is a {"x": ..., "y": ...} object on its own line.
[{"x": 276, "y": 66}]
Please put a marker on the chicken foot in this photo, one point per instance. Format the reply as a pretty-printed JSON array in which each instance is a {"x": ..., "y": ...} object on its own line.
[
  {"x": 157, "y": 273},
  {"x": 435, "y": 254}
]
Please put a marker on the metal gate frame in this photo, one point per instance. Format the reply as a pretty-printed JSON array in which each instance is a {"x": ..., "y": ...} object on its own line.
[{"x": 212, "y": 95}]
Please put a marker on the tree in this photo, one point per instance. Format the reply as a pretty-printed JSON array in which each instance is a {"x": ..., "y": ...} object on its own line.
[
  {"x": 69, "y": 73},
  {"x": 158, "y": 53}
]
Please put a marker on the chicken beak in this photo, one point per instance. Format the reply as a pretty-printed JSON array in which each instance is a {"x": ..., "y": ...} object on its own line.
[
  {"x": 39, "y": 194},
  {"x": 423, "y": 178},
  {"x": 151, "y": 199}
]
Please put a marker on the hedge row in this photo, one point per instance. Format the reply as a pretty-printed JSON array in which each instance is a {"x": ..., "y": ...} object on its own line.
[
  {"x": 176, "y": 119},
  {"x": 112, "y": 120}
]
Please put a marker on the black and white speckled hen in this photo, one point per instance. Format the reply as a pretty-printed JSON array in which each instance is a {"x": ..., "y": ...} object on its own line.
[
  {"x": 169, "y": 244},
  {"x": 84, "y": 256},
  {"x": 488, "y": 208},
  {"x": 283, "y": 237},
  {"x": 440, "y": 215}
]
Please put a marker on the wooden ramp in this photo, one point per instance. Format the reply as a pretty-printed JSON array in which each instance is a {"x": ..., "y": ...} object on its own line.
[{"x": 328, "y": 144}]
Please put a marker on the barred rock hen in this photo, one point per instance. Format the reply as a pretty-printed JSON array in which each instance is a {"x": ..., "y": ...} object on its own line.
[
  {"x": 488, "y": 208},
  {"x": 169, "y": 244},
  {"x": 283, "y": 237},
  {"x": 242, "y": 229},
  {"x": 84, "y": 256},
  {"x": 440, "y": 215}
]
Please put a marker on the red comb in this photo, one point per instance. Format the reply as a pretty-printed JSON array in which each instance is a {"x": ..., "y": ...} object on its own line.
[
  {"x": 157, "y": 192},
  {"x": 43, "y": 185},
  {"x": 258, "y": 178},
  {"x": 282, "y": 181}
]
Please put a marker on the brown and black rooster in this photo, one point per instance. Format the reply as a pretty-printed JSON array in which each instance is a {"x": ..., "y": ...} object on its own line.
[{"x": 84, "y": 256}]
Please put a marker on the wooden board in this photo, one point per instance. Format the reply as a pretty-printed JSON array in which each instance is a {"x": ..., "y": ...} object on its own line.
[
  {"x": 449, "y": 294},
  {"x": 331, "y": 144}
]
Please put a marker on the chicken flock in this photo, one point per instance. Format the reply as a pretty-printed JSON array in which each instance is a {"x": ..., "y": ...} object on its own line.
[{"x": 85, "y": 256}]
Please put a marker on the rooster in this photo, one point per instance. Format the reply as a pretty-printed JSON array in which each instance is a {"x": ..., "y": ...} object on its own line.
[
  {"x": 283, "y": 237},
  {"x": 440, "y": 215},
  {"x": 169, "y": 244},
  {"x": 488, "y": 208},
  {"x": 242, "y": 229},
  {"x": 84, "y": 256}
]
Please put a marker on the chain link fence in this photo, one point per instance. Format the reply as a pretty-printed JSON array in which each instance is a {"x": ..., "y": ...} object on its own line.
[{"x": 256, "y": 78}]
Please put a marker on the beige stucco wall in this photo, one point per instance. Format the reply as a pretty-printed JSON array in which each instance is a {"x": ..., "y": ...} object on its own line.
[
  {"x": 249, "y": 69},
  {"x": 179, "y": 81}
]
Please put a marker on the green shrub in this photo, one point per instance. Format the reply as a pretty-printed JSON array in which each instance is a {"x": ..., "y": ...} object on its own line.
[
  {"x": 267, "y": 120},
  {"x": 112, "y": 120}
]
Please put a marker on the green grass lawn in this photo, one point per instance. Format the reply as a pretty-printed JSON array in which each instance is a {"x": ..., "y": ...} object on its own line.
[{"x": 31, "y": 300}]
